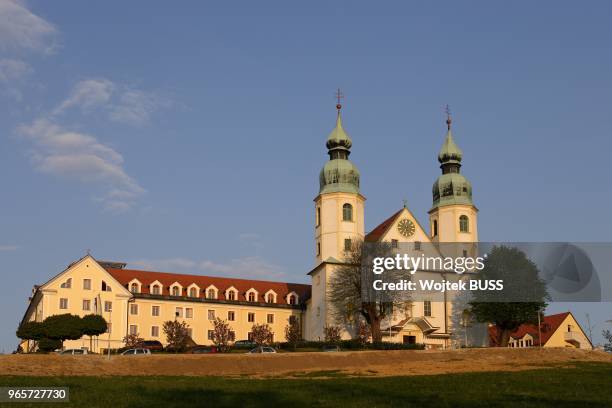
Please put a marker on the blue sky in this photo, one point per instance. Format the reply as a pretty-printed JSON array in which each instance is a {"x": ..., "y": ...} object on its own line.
[{"x": 188, "y": 137}]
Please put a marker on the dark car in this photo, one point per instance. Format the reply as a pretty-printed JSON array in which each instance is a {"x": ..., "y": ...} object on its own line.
[
  {"x": 152, "y": 345},
  {"x": 203, "y": 350}
]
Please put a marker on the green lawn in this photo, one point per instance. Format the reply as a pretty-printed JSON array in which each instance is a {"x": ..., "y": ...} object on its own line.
[{"x": 586, "y": 385}]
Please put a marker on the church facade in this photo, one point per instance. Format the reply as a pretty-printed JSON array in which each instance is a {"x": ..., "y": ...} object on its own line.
[{"x": 139, "y": 302}]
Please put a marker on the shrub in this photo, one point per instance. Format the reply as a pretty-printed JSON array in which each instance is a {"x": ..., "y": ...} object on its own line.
[{"x": 46, "y": 345}]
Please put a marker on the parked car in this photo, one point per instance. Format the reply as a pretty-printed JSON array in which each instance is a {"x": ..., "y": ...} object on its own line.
[
  {"x": 262, "y": 350},
  {"x": 152, "y": 345},
  {"x": 244, "y": 343},
  {"x": 203, "y": 350},
  {"x": 330, "y": 348},
  {"x": 73, "y": 352},
  {"x": 137, "y": 352}
]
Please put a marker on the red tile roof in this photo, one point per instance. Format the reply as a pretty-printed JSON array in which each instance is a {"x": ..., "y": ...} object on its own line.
[
  {"x": 282, "y": 289},
  {"x": 379, "y": 231},
  {"x": 548, "y": 326}
]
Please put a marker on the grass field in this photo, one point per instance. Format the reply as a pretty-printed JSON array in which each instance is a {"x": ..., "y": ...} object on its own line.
[{"x": 585, "y": 385}]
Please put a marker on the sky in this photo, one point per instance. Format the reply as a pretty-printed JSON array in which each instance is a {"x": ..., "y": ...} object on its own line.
[{"x": 188, "y": 137}]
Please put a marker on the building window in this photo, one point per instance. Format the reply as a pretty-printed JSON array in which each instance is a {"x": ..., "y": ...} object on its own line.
[
  {"x": 211, "y": 315},
  {"x": 154, "y": 331},
  {"x": 105, "y": 287},
  {"x": 133, "y": 309},
  {"x": 156, "y": 290},
  {"x": 251, "y": 296},
  {"x": 211, "y": 335},
  {"x": 231, "y": 316},
  {"x": 251, "y": 318},
  {"x": 108, "y": 306},
  {"x": 434, "y": 228},
  {"x": 270, "y": 298},
  {"x": 347, "y": 244},
  {"x": 133, "y": 329},
  {"x": 134, "y": 288},
  {"x": 63, "y": 303},
  {"x": 427, "y": 308},
  {"x": 87, "y": 284},
  {"x": 67, "y": 284},
  {"x": 417, "y": 245},
  {"x": 270, "y": 318},
  {"x": 231, "y": 295},
  {"x": 193, "y": 292},
  {"x": 318, "y": 248},
  {"x": 154, "y": 310},
  {"x": 318, "y": 216},
  {"x": 347, "y": 212},
  {"x": 179, "y": 312},
  {"x": 211, "y": 294},
  {"x": 292, "y": 300},
  {"x": 464, "y": 224},
  {"x": 394, "y": 243},
  {"x": 189, "y": 313},
  {"x": 176, "y": 291},
  {"x": 86, "y": 304}
]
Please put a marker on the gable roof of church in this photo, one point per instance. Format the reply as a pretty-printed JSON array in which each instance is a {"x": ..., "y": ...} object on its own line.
[
  {"x": 282, "y": 289},
  {"x": 379, "y": 231}
]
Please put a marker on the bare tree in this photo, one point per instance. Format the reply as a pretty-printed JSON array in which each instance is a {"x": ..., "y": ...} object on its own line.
[
  {"x": 293, "y": 332},
  {"x": 363, "y": 333},
  {"x": 262, "y": 334},
  {"x": 350, "y": 290},
  {"x": 332, "y": 334},
  {"x": 222, "y": 334}
]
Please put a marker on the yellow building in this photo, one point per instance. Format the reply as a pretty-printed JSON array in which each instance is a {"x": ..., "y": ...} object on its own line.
[
  {"x": 138, "y": 302},
  {"x": 558, "y": 330}
]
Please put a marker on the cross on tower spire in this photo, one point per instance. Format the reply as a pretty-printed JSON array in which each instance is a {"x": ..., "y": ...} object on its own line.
[
  {"x": 339, "y": 96},
  {"x": 448, "y": 117}
]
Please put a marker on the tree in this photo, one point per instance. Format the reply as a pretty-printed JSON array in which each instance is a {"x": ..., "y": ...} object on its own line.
[
  {"x": 332, "y": 334},
  {"x": 262, "y": 334},
  {"x": 608, "y": 336},
  {"x": 363, "y": 333},
  {"x": 63, "y": 327},
  {"x": 522, "y": 300},
  {"x": 293, "y": 332},
  {"x": 221, "y": 334},
  {"x": 132, "y": 340},
  {"x": 31, "y": 331},
  {"x": 350, "y": 288},
  {"x": 45, "y": 344},
  {"x": 176, "y": 335},
  {"x": 93, "y": 325}
]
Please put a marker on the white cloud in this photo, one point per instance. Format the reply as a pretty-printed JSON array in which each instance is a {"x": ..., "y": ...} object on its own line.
[
  {"x": 12, "y": 69},
  {"x": 7, "y": 248},
  {"x": 249, "y": 267},
  {"x": 88, "y": 94},
  {"x": 136, "y": 107},
  {"x": 20, "y": 29},
  {"x": 82, "y": 157}
]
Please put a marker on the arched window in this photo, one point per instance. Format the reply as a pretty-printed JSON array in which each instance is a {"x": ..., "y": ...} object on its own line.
[
  {"x": 156, "y": 290},
  {"x": 251, "y": 296},
  {"x": 270, "y": 298},
  {"x": 210, "y": 294},
  {"x": 347, "y": 212},
  {"x": 231, "y": 295},
  {"x": 134, "y": 288},
  {"x": 464, "y": 224},
  {"x": 292, "y": 300},
  {"x": 193, "y": 292},
  {"x": 176, "y": 291}
]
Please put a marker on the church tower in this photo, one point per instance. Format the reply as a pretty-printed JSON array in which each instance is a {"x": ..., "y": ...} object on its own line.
[
  {"x": 339, "y": 207},
  {"x": 453, "y": 216}
]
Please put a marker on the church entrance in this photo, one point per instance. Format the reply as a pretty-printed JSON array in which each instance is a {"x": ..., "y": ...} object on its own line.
[{"x": 409, "y": 340}]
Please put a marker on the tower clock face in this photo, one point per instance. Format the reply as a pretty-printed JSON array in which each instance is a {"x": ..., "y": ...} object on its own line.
[{"x": 406, "y": 227}]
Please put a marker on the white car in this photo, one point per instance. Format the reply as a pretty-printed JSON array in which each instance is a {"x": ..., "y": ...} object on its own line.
[
  {"x": 262, "y": 350},
  {"x": 73, "y": 352},
  {"x": 137, "y": 352}
]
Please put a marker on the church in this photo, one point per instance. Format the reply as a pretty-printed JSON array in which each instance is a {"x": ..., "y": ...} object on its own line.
[{"x": 139, "y": 302}]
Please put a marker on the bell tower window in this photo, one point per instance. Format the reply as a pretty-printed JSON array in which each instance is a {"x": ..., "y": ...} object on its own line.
[
  {"x": 434, "y": 228},
  {"x": 347, "y": 212},
  {"x": 464, "y": 224}
]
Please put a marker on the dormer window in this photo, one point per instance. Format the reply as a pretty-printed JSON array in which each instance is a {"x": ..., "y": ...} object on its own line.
[
  {"x": 211, "y": 292},
  {"x": 292, "y": 298},
  {"x": 176, "y": 291},
  {"x": 156, "y": 290},
  {"x": 231, "y": 294},
  {"x": 134, "y": 288},
  {"x": 251, "y": 295},
  {"x": 270, "y": 296},
  {"x": 193, "y": 292}
]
